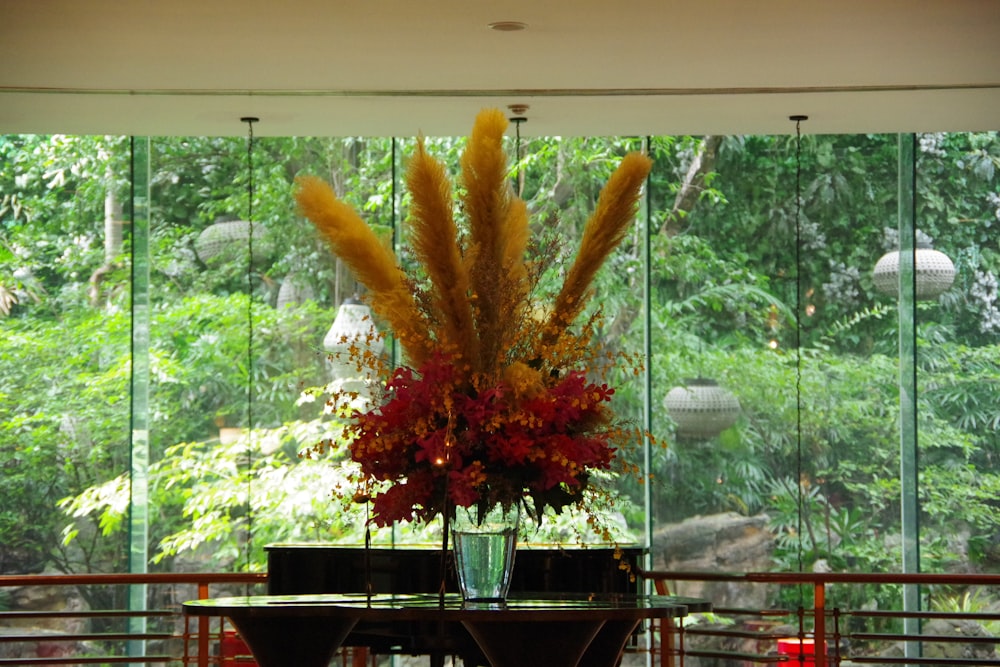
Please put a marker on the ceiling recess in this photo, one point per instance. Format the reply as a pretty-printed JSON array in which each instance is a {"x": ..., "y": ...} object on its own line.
[{"x": 508, "y": 26}]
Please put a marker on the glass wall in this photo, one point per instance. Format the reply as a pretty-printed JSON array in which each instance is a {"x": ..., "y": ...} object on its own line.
[
  {"x": 65, "y": 335},
  {"x": 804, "y": 415}
]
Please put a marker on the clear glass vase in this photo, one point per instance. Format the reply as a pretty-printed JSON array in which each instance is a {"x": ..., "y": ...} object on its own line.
[{"x": 484, "y": 549}]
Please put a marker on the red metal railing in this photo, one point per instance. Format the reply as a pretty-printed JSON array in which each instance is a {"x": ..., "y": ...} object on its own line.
[
  {"x": 64, "y": 632},
  {"x": 823, "y": 631},
  {"x": 835, "y": 632}
]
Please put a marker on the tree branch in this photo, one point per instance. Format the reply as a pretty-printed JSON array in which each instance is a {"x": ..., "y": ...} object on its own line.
[{"x": 692, "y": 185}]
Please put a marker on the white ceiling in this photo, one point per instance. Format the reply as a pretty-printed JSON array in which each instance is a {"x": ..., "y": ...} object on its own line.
[{"x": 585, "y": 67}]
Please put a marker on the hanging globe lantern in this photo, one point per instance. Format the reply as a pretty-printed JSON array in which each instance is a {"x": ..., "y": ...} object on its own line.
[
  {"x": 218, "y": 241},
  {"x": 701, "y": 408},
  {"x": 294, "y": 291},
  {"x": 229, "y": 240},
  {"x": 352, "y": 327},
  {"x": 935, "y": 272}
]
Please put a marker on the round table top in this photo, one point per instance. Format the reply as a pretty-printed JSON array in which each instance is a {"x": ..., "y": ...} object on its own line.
[{"x": 520, "y": 607}]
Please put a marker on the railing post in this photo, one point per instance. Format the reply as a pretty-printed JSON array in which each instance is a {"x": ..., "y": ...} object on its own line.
[
  {"x": 819, "y": 623},
  {"x": 667, "y": 648},
  {"x": 680, "y": 641},
  {"x": 203, "y": 629}
]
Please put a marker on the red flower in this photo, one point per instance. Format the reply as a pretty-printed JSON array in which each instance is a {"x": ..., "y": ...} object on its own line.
[{"x": 435, "y": 442}]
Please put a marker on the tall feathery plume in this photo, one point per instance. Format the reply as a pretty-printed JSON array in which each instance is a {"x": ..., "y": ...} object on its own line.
[
  {"x": 515, "y": 292},
  {"x": 605, "y": 229},
  {"x": 435, "y": 244},
  {"x": 372, "y": 263},
  {"x": 516, "y": 243},
  {"x": 487, "y": 203}
]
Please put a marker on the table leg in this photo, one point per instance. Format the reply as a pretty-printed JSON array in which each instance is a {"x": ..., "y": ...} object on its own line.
[
  {"x": 297, "y": 640},
  {"x": 517, "y": 644},
  {"x": 607, "y": 647}
]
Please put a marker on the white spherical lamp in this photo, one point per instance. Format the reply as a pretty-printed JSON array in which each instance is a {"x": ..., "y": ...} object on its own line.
[
  {"x": 701, "y": 408},
  {"x": 935, "y": 273}
]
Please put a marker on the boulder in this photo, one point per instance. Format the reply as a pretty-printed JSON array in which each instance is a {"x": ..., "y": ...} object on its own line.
[
  {"x": 727, "y": 542},
  {"x": 962, "y": 642}
]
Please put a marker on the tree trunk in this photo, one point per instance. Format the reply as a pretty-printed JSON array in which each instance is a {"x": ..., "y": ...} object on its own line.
[
  {"x": 113, "y": 225},
  {"x": 693, "y": 184}
]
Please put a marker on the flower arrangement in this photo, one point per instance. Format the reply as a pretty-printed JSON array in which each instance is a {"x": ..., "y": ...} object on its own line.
[{"x": 497, "y": 402}]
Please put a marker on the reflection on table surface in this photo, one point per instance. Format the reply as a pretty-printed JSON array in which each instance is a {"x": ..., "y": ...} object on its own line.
[
  {"x": 557, "y": 630},
  {"x": 452, "y": 605}
]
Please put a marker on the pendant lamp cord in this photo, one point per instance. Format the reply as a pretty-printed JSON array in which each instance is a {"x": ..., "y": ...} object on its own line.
[
  {"x": 249, "y": 120},
  {"x": 517, "y": 153},
  {"x": 798, "y": 327},
  {"x": 517, "y": 120}
]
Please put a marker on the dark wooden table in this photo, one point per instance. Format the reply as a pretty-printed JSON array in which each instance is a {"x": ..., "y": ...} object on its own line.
[
  {"x": 556, "y": 631},
  {"x": 312, "y": 568}
]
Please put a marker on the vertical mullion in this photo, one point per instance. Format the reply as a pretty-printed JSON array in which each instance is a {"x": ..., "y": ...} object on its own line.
[{"x": 139, "y": 394}]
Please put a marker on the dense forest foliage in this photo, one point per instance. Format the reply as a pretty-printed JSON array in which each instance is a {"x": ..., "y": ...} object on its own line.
[{"x": 767, "y": 293}]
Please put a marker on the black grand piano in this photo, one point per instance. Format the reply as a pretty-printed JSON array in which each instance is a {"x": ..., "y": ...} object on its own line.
[{"x": 296, "y": 569}]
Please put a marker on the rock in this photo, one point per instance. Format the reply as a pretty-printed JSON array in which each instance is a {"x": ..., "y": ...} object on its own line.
[
  {"x": 42, "y": 644},
  {"x": 47, "y": 598},
  {"x": 951, "y": 650},
  {"x": 726, "y": 542},
  {"x": 973, "y": 650}
]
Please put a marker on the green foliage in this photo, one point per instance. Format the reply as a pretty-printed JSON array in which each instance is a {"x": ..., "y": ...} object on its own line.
[
  {"x": 968, "y": 601},
  {"x": 60, "y": 430},
  {"x": 201, "y": 367},
  {"x": 797, "y": 332},
  {"x": 200, "y": 493},
  {"x": 52, "y": 195},
  {"x": 287, "y": 502},
  {"x": 62, "y": 437}
]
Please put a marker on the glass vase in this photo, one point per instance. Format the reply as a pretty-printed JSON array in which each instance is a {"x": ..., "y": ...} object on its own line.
[{"x": 484, "y": 548}]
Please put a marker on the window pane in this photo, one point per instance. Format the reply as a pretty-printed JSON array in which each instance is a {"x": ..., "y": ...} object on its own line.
[
  {"x": 771, "y": 297},
  {"x": 64, "y": 305}
]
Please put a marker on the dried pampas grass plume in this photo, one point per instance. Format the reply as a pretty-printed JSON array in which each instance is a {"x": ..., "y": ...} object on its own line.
[
  {"x": 373, "y": 264},
  {"x": 498, "y": 231},
  {"x": 478, "y": 308},
  {"x": 605, "y": 229},
  {"x": 436, "y": 246}
]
